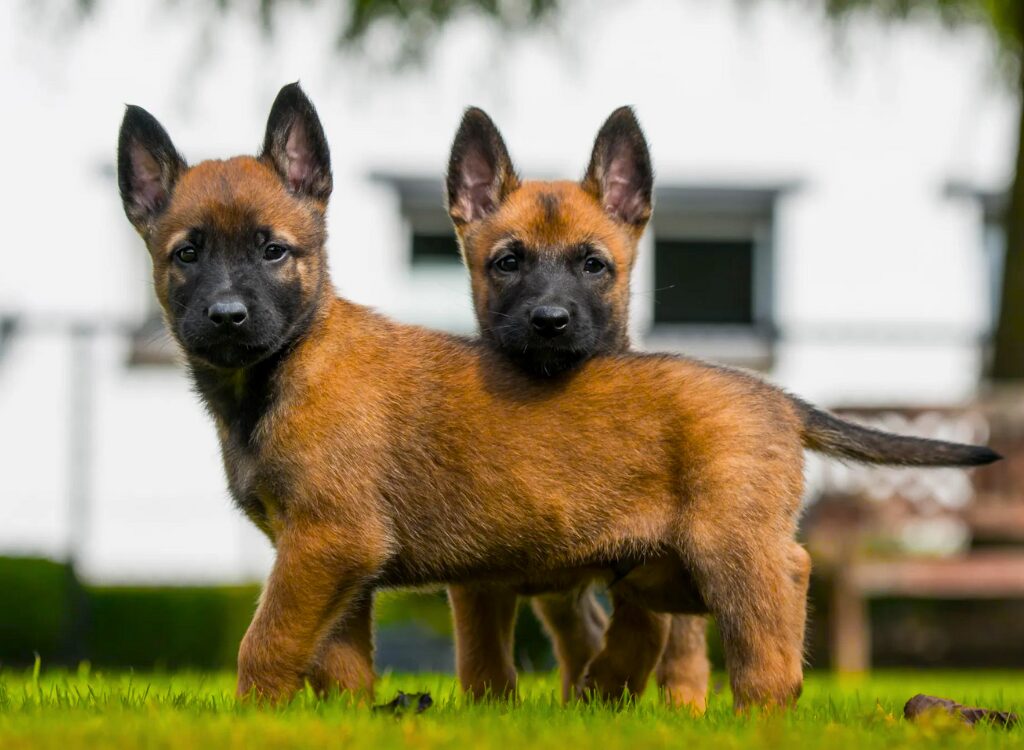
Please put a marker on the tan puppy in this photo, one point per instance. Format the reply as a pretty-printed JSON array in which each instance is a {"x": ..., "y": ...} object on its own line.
[{"x": 548, "y": 310}]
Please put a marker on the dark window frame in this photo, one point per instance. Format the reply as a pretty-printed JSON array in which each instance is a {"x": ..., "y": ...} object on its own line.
[
  {"x": 421, "y": 205},
  {"x": 725, "y": 214},
  {"x": 431, "y": 284}
]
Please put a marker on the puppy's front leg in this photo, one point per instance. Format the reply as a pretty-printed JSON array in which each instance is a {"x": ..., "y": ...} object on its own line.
[
  {"x": 316, "y": 579},
  {"x": 345, "y": 658}
]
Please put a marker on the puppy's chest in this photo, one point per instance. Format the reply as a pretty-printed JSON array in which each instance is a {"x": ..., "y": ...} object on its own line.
[{"x": 251, "y": 487}]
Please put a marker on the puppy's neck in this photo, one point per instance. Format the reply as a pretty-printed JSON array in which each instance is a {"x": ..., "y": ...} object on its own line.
[
  {"x": 238, "y": 398},
  {"x": 616, "y": 342}
]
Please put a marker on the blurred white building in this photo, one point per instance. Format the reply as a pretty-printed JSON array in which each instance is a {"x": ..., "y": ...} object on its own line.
[{"x": 824, "y": 213}]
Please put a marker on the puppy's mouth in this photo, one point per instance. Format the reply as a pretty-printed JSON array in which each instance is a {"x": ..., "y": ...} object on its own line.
[
  {"x": 226, "y": 352},
  {"x": 547, "y": 358},
  {"x": 556, "y": 365},
  {"x": 229, "y": 356},
  {"x": 541, "y": 356}
]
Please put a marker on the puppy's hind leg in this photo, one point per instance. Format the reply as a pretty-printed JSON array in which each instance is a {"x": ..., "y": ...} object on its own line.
[
  {"x": 684, "y": 670},
  {"x": 575, "y": 622},
  {"x": 752, "y": 575},
  {"x": 633, "y": 643},
  {"x": 748, "y": 582}
]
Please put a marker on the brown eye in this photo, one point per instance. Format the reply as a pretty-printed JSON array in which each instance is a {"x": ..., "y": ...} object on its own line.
[
  {"x": 272, "y": 252},
  {"x": 186, "y": 254},
  {"x": 593, "y": 265},
  {"x": 507, "y": 264}
]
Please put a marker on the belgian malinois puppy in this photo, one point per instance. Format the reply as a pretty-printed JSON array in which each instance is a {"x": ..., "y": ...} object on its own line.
[
  {"x": 378, "y": 454},
  {"x": 548, "y": 310}
]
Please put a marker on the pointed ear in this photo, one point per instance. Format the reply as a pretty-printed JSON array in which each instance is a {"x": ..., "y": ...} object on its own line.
[
  {"x": 148, "y": 166},
  {"x": 295, "y": 145},
  {"x": 480, "y": 172},
  {"x": 620, "y": 175}
]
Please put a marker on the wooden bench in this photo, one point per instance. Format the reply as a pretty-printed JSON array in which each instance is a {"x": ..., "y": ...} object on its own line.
[{"x": 983, "y": 574}]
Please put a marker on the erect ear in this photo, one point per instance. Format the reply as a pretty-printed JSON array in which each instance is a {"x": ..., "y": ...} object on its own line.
[
  {"x": 295, "y": 145},
  {"x": 147, "y": 167},
  {"x": 480, "y": 172},
  {"x": 620, "y": 174}
]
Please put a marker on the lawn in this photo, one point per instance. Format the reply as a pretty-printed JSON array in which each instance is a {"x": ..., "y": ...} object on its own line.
[{"x": 67, "y": 710}]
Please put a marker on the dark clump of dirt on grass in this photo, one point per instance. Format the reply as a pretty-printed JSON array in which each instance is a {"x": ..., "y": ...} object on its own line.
[
  {"x": 928, "y": 705},
  {"x": 404, "y": 702}
]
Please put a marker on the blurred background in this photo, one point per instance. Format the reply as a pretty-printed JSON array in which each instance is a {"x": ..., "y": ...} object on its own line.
[{"x": 837, "y": 207}]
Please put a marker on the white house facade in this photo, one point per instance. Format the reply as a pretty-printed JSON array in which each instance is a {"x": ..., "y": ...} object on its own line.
[{"x": 819, "y": 217}]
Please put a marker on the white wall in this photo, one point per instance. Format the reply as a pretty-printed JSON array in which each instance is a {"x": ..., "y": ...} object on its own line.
[{"x": 880, "y": 286}]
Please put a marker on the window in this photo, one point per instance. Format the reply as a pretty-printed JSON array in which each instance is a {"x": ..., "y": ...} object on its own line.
[
  {"x": 430, "y": 283},
  {"x": 993, "y": 206},
  {"x": 705, "y": 281},
  {"x": 709, "y": 276},
  {"x": 431, "y": 236},
  {"x": 995, "y": 257},
  {"x": 8, "y": 327},
  {"x": 432, "y": 247}
]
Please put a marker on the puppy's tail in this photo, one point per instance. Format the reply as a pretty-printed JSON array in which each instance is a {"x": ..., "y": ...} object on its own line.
[{"x": 827, "y": 433}]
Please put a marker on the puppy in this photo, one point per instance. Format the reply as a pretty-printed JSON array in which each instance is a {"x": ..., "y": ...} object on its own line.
[
  {"x": 548, "y": 312},
  {"x": 377, "y": 454}
]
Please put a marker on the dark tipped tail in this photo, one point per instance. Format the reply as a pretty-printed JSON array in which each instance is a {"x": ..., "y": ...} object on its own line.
[{"x": 827, "y": 433}]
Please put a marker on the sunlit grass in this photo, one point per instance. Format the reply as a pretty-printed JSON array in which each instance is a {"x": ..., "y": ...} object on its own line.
[{"x": 59, "y": 709}]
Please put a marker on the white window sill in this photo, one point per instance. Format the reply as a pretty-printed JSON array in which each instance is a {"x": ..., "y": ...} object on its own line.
[{"x": 737, "y": 345}]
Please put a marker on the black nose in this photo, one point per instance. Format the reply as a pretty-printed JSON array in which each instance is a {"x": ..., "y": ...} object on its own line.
[
  {"x": 228, "y": 312},
  {"x": 549, "y": 321}
]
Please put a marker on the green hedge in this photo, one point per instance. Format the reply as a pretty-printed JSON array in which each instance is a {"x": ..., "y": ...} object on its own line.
[
  {"x": 45, "y": 611},
  {"x": 37, "y": 599},
  {"x": 167, "y": 627}
]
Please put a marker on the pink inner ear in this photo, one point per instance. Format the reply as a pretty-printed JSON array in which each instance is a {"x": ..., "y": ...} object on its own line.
[
  {"x": 476, "y": 199},
  {"x": 148, "y": 187},
  {"x": 621, "y": 187},
  {"x": 300, "y": 157}
]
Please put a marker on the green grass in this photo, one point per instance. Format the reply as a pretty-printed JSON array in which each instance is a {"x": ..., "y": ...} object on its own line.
[{"x": 67, "y": 710}]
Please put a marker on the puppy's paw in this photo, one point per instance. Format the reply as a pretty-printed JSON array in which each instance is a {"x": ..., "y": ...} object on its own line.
[{"x": 603, "y": 684}]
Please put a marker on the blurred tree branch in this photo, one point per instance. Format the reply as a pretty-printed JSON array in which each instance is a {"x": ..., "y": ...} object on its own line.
[
  {"x": 1005, "y": 20},
  {"x": 417, "y": 22},
  {"x": 999, "y": 16}
]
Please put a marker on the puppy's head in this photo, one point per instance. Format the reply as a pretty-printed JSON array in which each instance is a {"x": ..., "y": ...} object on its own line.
[
  {"x": 550, "y": 261},
  {"x": 237, "y": 245}
]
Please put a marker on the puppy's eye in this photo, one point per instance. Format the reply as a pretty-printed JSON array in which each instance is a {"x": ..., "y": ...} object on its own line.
[
  {"x": 594, "y": 265},
  {"x": 507, "y": 264},
  {"x": 186, "y": 254},
  {"x": 273, "y": 253}
]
